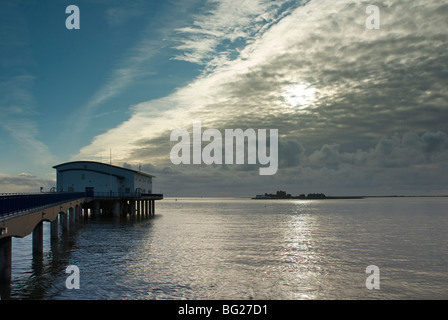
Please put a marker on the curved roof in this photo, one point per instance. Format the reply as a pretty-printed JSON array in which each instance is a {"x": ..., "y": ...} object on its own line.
[{"x": 60, "y": 167}]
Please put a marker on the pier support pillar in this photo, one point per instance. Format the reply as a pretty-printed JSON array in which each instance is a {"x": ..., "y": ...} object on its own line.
[
  {"x": 96, "y": 211},
  {"x": 153, "y": 207},
  {"x": 5, "y": 261},
  {"x": 87, "y": 212},
  {"x": 38, "y": 239},
  {"x": 71, "y": 218},
  {"x": 147, "y": 212},
  {"x": 117, "y": 209},
  {"x": 78, "y": 213},
  {"x": 132, "y": 208},
  {"x": 54, "y": 227},
  {"x": 140, "y": 208},
  {"x": 64, "y": 221}
]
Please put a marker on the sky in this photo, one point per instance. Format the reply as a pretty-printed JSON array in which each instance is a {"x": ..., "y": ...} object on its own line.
[{"x": 359, "y": 110}]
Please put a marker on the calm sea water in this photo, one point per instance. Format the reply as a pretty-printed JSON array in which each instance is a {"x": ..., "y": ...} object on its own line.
[{"x": 248, "y": 249}]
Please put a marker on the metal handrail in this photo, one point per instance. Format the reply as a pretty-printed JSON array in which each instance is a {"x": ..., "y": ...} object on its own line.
[{"x": 17, "y": 203}]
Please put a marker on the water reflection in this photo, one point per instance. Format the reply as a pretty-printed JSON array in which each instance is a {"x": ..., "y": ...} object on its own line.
[
  {"x": 222, "y": 254},
  {"x": 244, "y": 249},
  {"x": 33, "y": 274},
  {"x": 299, "y": 255}
]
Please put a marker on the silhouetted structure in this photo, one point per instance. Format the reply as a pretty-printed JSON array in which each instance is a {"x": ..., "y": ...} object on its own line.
[{"x": 280, "y": 194}]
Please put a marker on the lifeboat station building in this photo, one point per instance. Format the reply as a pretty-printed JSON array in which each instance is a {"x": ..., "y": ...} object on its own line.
[{"x": 110, "y": 188}]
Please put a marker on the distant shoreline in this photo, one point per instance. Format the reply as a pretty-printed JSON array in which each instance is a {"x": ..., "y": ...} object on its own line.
[
  {"x": 296, "y": 198},
  {"x": 299, "y": 198},
  {"x": 348, "y": 197}
]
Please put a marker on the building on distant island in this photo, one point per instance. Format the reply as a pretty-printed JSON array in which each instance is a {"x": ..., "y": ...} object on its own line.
[
  {"x": 96, "y": 178},
  {"x": 279, "y": 195},
  {"x": 283, "y": 195}
]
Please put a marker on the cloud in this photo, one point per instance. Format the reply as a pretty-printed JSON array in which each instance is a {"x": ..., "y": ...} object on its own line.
[
  {"x": 23, "y": 183},
  {"x": 137, "y": 62},
  {"x": 25, "y": 174},
  {"x": 434, "y": 142},
  {"x": 17, "y": 106},
  {"x": 290, "y": 154},
  {"x": 222, "y": 28},
  {"x": 397, "y": 151},
  {"x": 327, "y": 156},
  {"x": 401, "y": 161},
  {"x": 17, "y": 102},
  {"x": 121, "y": 78},
  {"x": 398, "y": 164},
  {"x": 375, "y": 99}
]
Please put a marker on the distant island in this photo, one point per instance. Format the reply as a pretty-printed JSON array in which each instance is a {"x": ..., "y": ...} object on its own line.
[{"x": 283, "y": 195}]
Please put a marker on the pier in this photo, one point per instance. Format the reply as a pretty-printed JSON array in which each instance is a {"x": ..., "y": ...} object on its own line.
[{"x": 24, "y": 214}]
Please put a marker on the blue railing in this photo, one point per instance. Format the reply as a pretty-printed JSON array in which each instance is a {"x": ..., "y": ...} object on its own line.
[
  {"x": 158, "y": 195},
  {"x": 17, "y": 203}
]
